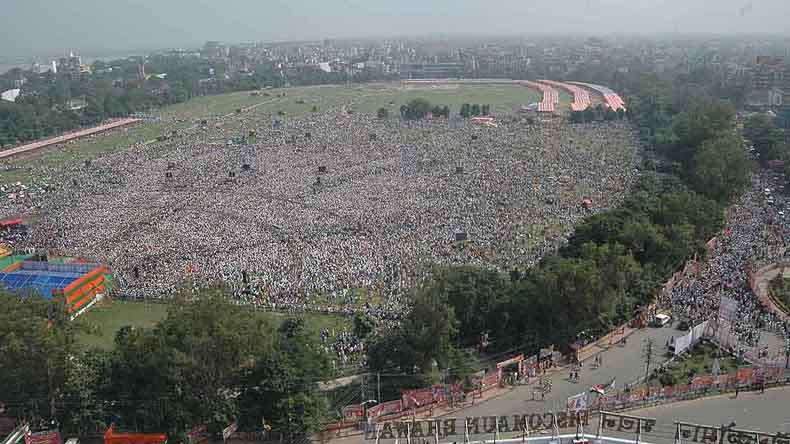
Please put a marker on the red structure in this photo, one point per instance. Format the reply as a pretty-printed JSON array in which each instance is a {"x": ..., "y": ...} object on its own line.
[{"x": 111, "y": 437}]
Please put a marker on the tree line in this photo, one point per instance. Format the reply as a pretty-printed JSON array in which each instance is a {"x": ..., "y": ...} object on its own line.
[
  {"x": 45, "y": 106},
  {"x": 208, "y": 362}
]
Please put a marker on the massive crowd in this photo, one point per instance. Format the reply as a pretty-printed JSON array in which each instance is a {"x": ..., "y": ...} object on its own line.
[
  {"x": 756, "y": 234},
  {"x": 331, "y": 209}
]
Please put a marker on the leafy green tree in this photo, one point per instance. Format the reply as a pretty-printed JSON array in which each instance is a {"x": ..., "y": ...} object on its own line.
[
  {"x": 193, "y": 359},
  {"x": 417, "y": 109},
  {"x": 281, "y": 386},
  {"x": 475, "y": 111},
  {"x": 427, "y": 336},
  {"x": 768, "y": 140},
  {"x": 478, "y": 299},
  {"x": 363, "y": 325},
  {"x": 702, "y": 121},
  {"x": 382, "y": 113},
  {"x": 465, "y": 111},
  {"x": 721, "y": 168},
  {"x": 37, "y": 343}
]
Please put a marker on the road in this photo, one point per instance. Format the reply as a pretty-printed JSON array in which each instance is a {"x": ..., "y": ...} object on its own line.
[{"x": 624, "y": 363}]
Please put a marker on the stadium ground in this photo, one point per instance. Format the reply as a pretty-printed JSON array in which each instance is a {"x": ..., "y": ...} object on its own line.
[
  {"x": 102, "y": 323},
  {"x": 297, "y": 101}
]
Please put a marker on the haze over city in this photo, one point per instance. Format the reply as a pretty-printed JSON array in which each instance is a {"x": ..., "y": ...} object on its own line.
[
  {"x": 49, "y": 26},
  {"x": 403, "y": 221}
]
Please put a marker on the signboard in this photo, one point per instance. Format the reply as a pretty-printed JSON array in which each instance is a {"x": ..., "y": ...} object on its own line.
[
  {"x": 45, "y": 437},
  {"x": 626, "y": 423},
  {"x": 198, "y": 435},
  {"x": 228, "y": 431},
  {"x": 450, "y": 427},
  {"x": 417, "y": 398},
  {"x": 577, "y": 403},
  {"x": 385, "y": 408},
  {"x": 352, "y": 412}
]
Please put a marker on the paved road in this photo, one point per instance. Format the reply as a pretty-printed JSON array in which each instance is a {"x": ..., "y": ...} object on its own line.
[
  {"x": 767, "y": 412},
  {"x": 624, "y": 363}
]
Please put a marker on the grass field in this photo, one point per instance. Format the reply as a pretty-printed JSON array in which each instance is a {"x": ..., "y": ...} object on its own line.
[
  {"x": 698, "y": 362},
  {"x": 102, "y": 323}
]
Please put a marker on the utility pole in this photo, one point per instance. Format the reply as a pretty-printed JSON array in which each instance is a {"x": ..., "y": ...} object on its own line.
[
  {"x": 378, "y": 386},
  {"x": 647, "y": 352}
]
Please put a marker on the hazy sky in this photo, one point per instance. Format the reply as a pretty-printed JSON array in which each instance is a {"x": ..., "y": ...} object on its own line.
[{"x": 55, "y": 26}]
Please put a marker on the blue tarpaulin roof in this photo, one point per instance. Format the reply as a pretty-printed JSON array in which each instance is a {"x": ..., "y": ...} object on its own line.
[{"x": 43, "y": 283}]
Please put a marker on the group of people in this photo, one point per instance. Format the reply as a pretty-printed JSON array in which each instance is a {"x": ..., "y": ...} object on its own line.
[
  {"x": 331, "y": 210},
  {"x": 756, "y": 234}
]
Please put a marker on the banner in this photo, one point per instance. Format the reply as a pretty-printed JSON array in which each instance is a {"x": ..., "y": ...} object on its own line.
[
  {"x": 682, "y": 343},
  {"x": 577, "y": 403},
  {"x": 352, "y": 412},
  {"x": 728, "y": 309},
  {"x": 702, "y": 382},
  {"x": 198, "y": 435},
  {"x": 417, "y": 398},
  {"x": 745, "y": 376},
  {"x": 385, "y": 408},
  {"x": 46, "y": 437},
  {"x": 228, "y": 431},
  {"x": 698, "y": 332}
]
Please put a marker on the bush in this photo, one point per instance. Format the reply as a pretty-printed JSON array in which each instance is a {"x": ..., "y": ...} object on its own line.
[
  {"x": 667, "y": 379},
  {"x": 382, "y": 113}
]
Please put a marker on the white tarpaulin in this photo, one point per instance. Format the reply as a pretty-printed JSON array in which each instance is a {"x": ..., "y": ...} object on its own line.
[
  {"x": 685, "y": 342},
  {"x": 682, "y": 343},
  {"x": 698, "y": 331}
]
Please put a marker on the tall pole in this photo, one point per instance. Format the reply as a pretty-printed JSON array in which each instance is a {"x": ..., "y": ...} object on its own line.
[{"x": 378, "y": 387}]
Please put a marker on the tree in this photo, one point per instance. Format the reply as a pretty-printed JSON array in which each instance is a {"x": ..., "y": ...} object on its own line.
[
  {"x": 417, "y": 109},
  {"x": 768, "y": 140},
  {"x": 475, "y": 111},
  {"x": 179, "y": 360},
  {"x": 702, "y": 121},
  {"x": 383, "y": 113},
  {"x": 425, "y": 336},
  {"x": 721, "y": 168},
  {"x": 478, "y": 298},
  {"x": 465, "y": 111},
  {"x": 36, "y": 345},
  {"x": 363, "y": 325},
  {"x": 282, "y": 385}
]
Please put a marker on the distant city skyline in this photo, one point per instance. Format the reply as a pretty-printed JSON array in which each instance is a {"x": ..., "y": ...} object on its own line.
[{"x": 49, "y": 27}]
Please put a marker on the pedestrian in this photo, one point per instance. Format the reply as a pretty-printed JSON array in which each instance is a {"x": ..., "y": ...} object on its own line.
[{"x": 737, "y": 388}]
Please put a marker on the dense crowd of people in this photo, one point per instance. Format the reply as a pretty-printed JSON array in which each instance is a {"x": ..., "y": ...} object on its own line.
[
  {"x": 325, "y": 211},
  {"x": 756, "y": 234}
]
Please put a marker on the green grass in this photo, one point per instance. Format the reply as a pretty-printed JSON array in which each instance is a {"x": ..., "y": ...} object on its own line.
[
  {"x": 698, "y": 362},
  {"x": 100, "y": 324},
  {"x": 503, "y": 99}
]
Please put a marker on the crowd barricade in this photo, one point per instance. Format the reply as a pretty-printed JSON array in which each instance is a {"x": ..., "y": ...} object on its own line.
[
  {"x": 701, "y": 385},
  {"x": 353, "y": 412}
]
